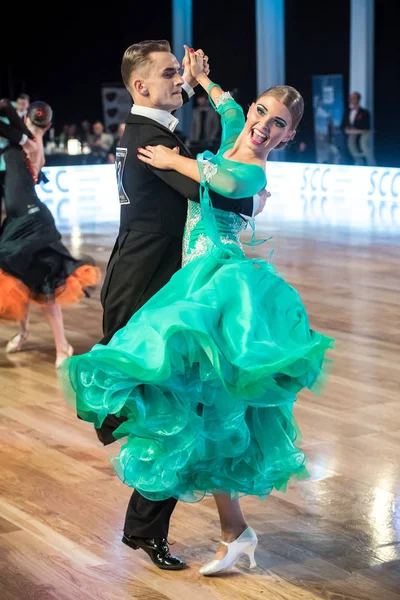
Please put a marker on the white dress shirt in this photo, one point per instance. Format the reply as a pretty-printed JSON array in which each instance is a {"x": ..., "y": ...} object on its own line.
[
  {"x": 163, "y": 117},
  {"x": 352, "y": 116}
]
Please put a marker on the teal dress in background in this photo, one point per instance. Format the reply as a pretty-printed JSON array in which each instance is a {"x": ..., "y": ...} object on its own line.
[{"x": 207, "y": 372}]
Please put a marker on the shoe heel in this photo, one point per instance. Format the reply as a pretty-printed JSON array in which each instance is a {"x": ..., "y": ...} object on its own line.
[
  {"x": 250, "y": 553},
  {"x": 129, "y": 543}
]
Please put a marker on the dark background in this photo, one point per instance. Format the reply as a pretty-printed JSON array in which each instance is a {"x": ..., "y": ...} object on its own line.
[{"x": 64, "y": 58}]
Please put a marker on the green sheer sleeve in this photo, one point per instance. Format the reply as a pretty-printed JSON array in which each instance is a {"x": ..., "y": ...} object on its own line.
[
  {"x": 231, "y": 114},
  {"x": 230, "y": 178}
]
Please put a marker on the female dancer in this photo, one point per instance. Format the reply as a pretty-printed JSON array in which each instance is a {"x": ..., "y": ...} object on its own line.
[
  {"x": 207, "y": 372},
  {"x": 35, "y": 267}
]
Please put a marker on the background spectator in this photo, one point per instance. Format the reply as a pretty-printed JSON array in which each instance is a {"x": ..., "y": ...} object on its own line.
[
  {"x": 205, "y": 130},
  {"x": 85, "y": 132},
  {"x": 357, "y": 127},
  {"x": 22, "y": 104},
  {"x": 116, "y": 143},
  {"x": 100, "y": 142}
]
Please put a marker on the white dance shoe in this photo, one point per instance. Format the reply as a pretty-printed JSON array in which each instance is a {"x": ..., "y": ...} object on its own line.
[
  {"x": 17, "y": 343},
  {"x": 61, "y": 356},
  {"x": 244, "y": 545}
]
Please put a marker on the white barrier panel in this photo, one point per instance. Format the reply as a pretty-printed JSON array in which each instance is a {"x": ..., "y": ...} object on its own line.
[
  {"x": 81, "y": 195},
  {"x": 366, "y": 197}
]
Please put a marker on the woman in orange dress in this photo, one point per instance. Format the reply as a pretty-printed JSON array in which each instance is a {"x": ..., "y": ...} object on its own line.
[{"x": 35, "y": 266}]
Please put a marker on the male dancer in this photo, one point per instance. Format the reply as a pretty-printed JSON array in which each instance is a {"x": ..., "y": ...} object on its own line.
[{"x": 148, "y": 249}]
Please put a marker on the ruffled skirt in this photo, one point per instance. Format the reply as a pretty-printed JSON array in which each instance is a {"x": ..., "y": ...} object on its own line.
[{"x": 206, "y": 375}]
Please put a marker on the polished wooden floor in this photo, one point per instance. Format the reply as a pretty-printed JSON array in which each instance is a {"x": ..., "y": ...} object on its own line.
[{"x": 334, "y": 536}]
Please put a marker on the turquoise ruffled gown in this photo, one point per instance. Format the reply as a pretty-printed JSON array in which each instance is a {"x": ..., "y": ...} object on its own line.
[{"x": 207, "y": 372}]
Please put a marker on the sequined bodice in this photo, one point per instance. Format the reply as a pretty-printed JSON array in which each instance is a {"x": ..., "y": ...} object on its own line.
[{"x": 195, "y": 241}]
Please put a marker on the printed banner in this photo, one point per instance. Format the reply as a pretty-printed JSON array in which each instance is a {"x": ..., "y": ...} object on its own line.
[
  {"x": 328, "y": 103},
  {"x": 117, "y": 104}
]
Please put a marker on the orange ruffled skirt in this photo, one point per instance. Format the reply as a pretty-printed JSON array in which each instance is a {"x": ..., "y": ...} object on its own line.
[{"x": 15, "y": 295}]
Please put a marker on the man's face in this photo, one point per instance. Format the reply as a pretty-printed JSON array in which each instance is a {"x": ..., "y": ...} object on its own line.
[
  {"x": 22, "y": 105},
  {"x": 162, "y": 85},
  {"x": 354, "y": 100},
  {"x": 98, "y": 128}
]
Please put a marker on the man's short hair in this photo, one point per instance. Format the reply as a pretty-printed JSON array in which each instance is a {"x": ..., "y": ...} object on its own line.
[
  {"x": 23, "y": 97},
  {"x": 137, "y": 57}
]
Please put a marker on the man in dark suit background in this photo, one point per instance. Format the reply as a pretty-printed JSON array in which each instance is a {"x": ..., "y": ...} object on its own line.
[
  {"x": 148, "y": 249},
  {"x": 22, "y": 104},
  {"x": 205, "y": 131},
  {"x": 357, "y": 127}
]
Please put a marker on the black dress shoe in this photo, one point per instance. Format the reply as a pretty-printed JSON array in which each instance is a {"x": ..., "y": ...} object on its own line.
[{"x": 157, "y": 549}]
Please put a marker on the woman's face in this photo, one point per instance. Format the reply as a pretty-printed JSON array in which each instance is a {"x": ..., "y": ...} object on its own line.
[{"x": 268, "y": 124}]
